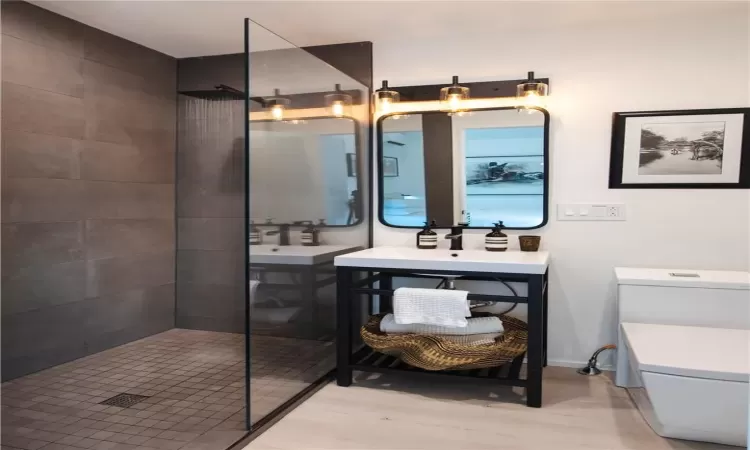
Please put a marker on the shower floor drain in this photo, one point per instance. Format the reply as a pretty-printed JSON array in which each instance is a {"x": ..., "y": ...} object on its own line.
[{"x": 124, "y": 400}]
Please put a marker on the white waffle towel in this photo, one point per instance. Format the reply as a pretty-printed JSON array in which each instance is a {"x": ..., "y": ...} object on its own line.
[
  {"x": 475, "y": 325},
  {"x": 253, "y": 286},
  {"x": 445, "y": 307}
]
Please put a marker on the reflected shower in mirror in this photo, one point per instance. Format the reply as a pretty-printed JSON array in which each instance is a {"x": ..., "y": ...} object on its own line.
[
  {"x": 305, "y": 170},
  {"x": 476, "y": 167}
]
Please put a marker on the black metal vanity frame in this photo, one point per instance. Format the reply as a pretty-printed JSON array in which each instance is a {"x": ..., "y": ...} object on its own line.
[
  {"x": 308, "y": 285},
  {"x": 349, "y": 313}
]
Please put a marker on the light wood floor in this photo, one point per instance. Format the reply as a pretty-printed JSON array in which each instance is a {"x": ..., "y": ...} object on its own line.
[{"x": 395, "y": 412}]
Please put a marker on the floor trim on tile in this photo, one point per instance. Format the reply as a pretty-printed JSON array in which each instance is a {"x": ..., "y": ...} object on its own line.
[{"x": 277, "y": 414}]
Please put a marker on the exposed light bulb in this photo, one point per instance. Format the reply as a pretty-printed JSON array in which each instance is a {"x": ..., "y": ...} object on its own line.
[
  {"x": 532, "y": 99},
  {"x": 454, "y": 102},
  {"x": 277, "y": 112},
  {"x": 385, "y": 105},
  {"x": 337, "y": 108},
  {"x": 531, "y": 94}
]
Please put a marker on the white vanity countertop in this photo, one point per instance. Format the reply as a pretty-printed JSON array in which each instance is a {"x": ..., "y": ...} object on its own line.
[
  {"x": 442, "y": 259},
  {"x": 299, "y": 255}
]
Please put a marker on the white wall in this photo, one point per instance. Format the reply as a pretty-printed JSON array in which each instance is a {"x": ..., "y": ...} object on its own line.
[
  {"x": 410, "y": 179},
  {"x": 695, "y": 59}
]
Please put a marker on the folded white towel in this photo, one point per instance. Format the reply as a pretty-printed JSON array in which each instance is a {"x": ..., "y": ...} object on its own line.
[
  {"x": 469, "y": 339},
  {"x": 475, "y": 325},
  {"x": 253, "y": 287},
  {"x": 445, "y": 307}
]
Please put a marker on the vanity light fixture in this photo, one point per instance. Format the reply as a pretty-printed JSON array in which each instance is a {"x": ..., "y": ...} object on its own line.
[
  {"x": 277, "y": 104},
  {"x": 339, "y": 103},
  {"x": 531, "y": 92},
  {"x": 452, "y": 97},
  {"x": 385, "y": 97}
]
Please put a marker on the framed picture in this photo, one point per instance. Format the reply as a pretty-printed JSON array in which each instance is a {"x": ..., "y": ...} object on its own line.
[
  {"x": 390, "y": 166},
  {"x": 351, "y": 165},
  {"x": 505, "y": 175},
  {"x": 690, "y": 149}
]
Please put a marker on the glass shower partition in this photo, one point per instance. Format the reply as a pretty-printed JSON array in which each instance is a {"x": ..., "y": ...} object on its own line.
[{"x": 307, "y": 144}]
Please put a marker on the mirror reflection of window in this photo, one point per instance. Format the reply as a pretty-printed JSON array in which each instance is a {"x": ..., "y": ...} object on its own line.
[
  {"x": 403, "y": 178},
  {"x": 504, "y": 171},
  {"x": 478, "y": 167}
]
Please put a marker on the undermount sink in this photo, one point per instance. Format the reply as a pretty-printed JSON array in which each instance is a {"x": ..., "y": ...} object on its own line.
[
  {"x": 444, "y": 259},
  {"x": 297, "y": 254}
]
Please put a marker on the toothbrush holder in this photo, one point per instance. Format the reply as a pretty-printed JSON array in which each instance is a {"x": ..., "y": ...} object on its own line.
[{"x": 529, "y": 243}]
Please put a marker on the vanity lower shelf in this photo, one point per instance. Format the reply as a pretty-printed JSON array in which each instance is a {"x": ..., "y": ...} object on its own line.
[{"x": 368, "y": 360}]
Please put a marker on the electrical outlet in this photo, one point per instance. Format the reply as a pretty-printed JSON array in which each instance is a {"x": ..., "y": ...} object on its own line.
[{"x": 591, "y": 211}]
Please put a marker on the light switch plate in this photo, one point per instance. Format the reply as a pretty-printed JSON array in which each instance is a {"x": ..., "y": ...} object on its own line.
[{"x": 607, "y": 212}]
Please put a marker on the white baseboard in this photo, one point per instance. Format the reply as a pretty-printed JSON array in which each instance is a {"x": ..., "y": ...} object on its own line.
[{"x": 577, "y": 364}]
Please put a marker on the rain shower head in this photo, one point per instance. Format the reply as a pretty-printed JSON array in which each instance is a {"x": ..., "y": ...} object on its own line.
[{"x": 222, "y": 92}]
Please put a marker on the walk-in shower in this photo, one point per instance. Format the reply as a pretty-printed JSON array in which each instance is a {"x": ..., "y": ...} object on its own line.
[{"x": 134, "y": 311}]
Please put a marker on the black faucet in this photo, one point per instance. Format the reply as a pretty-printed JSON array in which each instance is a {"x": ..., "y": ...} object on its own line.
[
  {"x": 283, "y": 233},
  {"x": 457, "y": 237}
]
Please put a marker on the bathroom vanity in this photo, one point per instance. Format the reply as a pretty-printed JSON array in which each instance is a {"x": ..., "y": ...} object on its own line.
[
  {"x": 308, "y": 268},
  {"x": 270, "y": 256},
  {"x": 358, "y": 272}
]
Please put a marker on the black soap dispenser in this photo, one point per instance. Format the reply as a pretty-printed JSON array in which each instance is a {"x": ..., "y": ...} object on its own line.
[
  {"x": 310, "y": 235},
  {"x": 496, "y": 240},
  {"x": 427, "y": 239},
  {"x": 256, "y": 236}
]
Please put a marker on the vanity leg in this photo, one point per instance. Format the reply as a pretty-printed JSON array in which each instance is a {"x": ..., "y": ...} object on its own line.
[
  {"x": 344, "y": 299},
  {"x": 546, "y": 316},
  {"x": 535, "y": 361},
  {"x": 310, "y": 294},
  {"x": 386, "y": 303}
]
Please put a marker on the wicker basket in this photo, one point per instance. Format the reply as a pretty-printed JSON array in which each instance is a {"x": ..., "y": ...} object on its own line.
[{"x": 431, "y": 352}]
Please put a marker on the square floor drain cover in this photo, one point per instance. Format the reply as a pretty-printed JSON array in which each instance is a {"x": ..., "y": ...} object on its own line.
[{"x": 124, "y": 400}]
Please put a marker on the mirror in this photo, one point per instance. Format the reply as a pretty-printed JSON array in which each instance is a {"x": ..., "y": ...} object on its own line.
[
  {"x": 305, "y": 170},
  {"x": 478, "y": 167}
]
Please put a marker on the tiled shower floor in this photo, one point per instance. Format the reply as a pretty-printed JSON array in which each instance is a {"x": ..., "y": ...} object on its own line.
[{"x": 194, "y": 381}]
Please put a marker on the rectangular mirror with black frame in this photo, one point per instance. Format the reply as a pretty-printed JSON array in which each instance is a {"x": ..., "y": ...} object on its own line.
[
  {"x": 305, "y": 170},
  {"x": 478, "y": 167}
]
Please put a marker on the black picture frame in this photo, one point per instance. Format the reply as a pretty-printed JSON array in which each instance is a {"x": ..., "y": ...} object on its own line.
[
  {"x": 378, "y": 169},
  {"x": 391, "y": 165},
  {"x": 617, "y": 151}
]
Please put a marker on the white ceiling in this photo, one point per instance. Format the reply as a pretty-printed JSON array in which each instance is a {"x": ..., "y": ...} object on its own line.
[{"x": 183, "y": 28}]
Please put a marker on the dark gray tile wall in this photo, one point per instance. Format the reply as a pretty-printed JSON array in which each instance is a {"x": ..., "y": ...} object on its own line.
[{"x": 88, "y": 190}]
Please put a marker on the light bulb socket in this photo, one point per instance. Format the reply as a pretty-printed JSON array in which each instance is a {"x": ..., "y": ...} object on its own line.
[
  {"x": 451, "y": 96},
  {"x": 455, "y": 90},
  {"x": 386, "y": 94},
  {"x": 277, "y": 100},
  {"x": 532, "y": 87}
]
